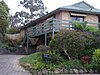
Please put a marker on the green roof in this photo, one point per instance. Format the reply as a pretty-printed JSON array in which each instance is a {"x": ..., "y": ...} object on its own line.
[{"x": 82, "y": 7}]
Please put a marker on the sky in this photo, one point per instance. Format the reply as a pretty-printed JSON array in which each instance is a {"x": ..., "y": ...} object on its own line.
[{"x": 50, "y": 4}]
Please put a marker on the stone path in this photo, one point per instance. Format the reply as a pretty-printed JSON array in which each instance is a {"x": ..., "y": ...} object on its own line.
[{"x": 9, "y": 65}]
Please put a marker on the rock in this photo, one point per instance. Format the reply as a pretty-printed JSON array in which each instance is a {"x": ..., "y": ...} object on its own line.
[
  {"x": 85, "y": 71},
  {"x": 71, "y": 71},
  {"x": 96, "y": 71},
  {"x": 75, "y": 71},
  {"x": 40, "y": 73},
  {"x": 61, "y": 71},
  {"x": 81, "y": 71},
  {"x": 56, "y": 71},
  {"x": 34, "y": 72},
  {"x": 27, "y": 66},
  {"x": 65, "y": 71},
  {"x": 45, "y": 72},
  {"x": 91, "y": 71}
]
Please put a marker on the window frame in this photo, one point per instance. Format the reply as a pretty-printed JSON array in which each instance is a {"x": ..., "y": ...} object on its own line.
[{"x": 77, "y": 17}]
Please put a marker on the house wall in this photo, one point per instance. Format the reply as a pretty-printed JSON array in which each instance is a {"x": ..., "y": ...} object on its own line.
[
  {"x": 22, "y": 33},
  {"x": 14, "y": 36},
  {"x": 30, "y": 30},
  {"x": 91, "y": 18},
  {"x": 64, "y": 15}
]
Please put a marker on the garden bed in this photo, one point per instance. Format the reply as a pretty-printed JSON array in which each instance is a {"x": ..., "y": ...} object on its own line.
[{"x": 36, "y": 65}]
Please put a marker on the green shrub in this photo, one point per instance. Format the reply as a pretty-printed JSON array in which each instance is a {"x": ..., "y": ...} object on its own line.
[
  {"x": 13, "y": 30},
  {"x": 12, "y": 49},
  {"x": 72, "y": 64},
  {"x": 42, "y": 48},
  {"x": 53, "y": 44},
  {"x": 71, "y": 42},
  {"x": 96, "y": 60},
  {"x": 96, "y": 43},
  {"x": 37, "y": 63},
  {"x": 78, "y": 26},
  {"x": 86, "y": 52},
  {"x": 12, "y": 43},
  {"x": 55, "y": 57},
  {"x": 90, "y": 28},
  {"x": 4, "y": 45},
  {"x": 82, "y": 27},
  {"x": 88, "y": 66}
]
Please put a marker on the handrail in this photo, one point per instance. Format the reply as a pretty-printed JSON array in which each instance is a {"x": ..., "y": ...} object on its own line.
[{"x": 53, "y": 24}]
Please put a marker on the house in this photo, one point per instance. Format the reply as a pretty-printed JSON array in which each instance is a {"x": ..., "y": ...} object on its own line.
[{"x": 60, "y": 18}]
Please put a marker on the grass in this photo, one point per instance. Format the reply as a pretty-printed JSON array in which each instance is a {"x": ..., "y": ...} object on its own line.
[
  {"x": 30, "y": 59},
  {"x": 35, "y": 61}
]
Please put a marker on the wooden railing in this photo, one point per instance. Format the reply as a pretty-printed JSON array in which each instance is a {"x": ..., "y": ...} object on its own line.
[{"x": 54, "y": 25}]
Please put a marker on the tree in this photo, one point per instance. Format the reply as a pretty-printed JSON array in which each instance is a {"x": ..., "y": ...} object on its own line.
[
  {"x": 36, "y": 9},
  {"x": 4, "y": 20},
  {"x": 71, "y": 42}
]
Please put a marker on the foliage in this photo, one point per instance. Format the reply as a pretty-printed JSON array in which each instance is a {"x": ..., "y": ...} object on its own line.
[
  {"x": 88, "y": 66},
  {"x": 53, "y": 44},
  {"x": 95, "y": 61},
  {"x": 96, "y": 57},
  {"x": 12, "y": 49},
  {"x": 35, "y": 9},
  {"x": 4, "y": 20},
  {"x": 42, "y": 48},
  {"x": 13, "y": 30},
  {"x": 31, "y": 58},
  {"x": 78, "y": 26},
  {"x": 12, "y": 43},
  {"x": 4, "y": 45},
  {"x": 86, "y": 52},
  {"x": 83, "y": 27},
  {"x": 91, "y": 29},
  {"x": 96, "y": 43},
  {"x": 72, "y": 64},
  {"x": 71, "y": 42},
  {"x": 55, "y": 57},
  {"x": 37, "y": 63}
]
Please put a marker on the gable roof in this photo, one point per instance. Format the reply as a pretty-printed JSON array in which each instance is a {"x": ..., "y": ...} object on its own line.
[
  {"x": 80, "y": 7},
  {"x": 83, "y": 5}
]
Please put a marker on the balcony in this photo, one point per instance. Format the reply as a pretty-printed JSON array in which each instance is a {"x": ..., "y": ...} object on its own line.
[{"x": 55, "y": 25}]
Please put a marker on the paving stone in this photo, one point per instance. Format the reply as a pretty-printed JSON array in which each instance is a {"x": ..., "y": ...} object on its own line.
[{"x": 9, "y": 65}]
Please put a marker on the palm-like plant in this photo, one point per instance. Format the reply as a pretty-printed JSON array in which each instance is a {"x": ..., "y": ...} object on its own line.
[{"x": 83, "y": 27}]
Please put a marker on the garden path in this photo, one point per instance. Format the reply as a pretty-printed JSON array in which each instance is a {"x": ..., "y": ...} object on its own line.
[{"x": 9, "y": 65}]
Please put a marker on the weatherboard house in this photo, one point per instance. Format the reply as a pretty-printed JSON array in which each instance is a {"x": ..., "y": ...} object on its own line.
[{"x": 39, "y": 30}]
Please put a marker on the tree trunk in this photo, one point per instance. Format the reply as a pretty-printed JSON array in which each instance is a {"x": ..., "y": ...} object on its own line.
[{"x": 67, "y": 55}]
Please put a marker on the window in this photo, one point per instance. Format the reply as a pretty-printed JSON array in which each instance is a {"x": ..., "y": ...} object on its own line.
[{"x": 77, "y": 18}]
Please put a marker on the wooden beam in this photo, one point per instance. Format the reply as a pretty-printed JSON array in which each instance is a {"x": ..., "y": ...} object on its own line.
[
  {"x": 53, "y": 30},
  {"x": 45, "y": 39},
  {"x": 27, "y": 43}
]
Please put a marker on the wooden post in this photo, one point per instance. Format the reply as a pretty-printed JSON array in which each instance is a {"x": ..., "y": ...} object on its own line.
[
  {"x": 53, "y": 31},
  {"x": 85, "y": 23},
  {"x": 99, "y": 26},
  {"x": 53, "y": 34},
  {"x": 27, "y": 42},
  {"x": 45, "y": 39}
]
